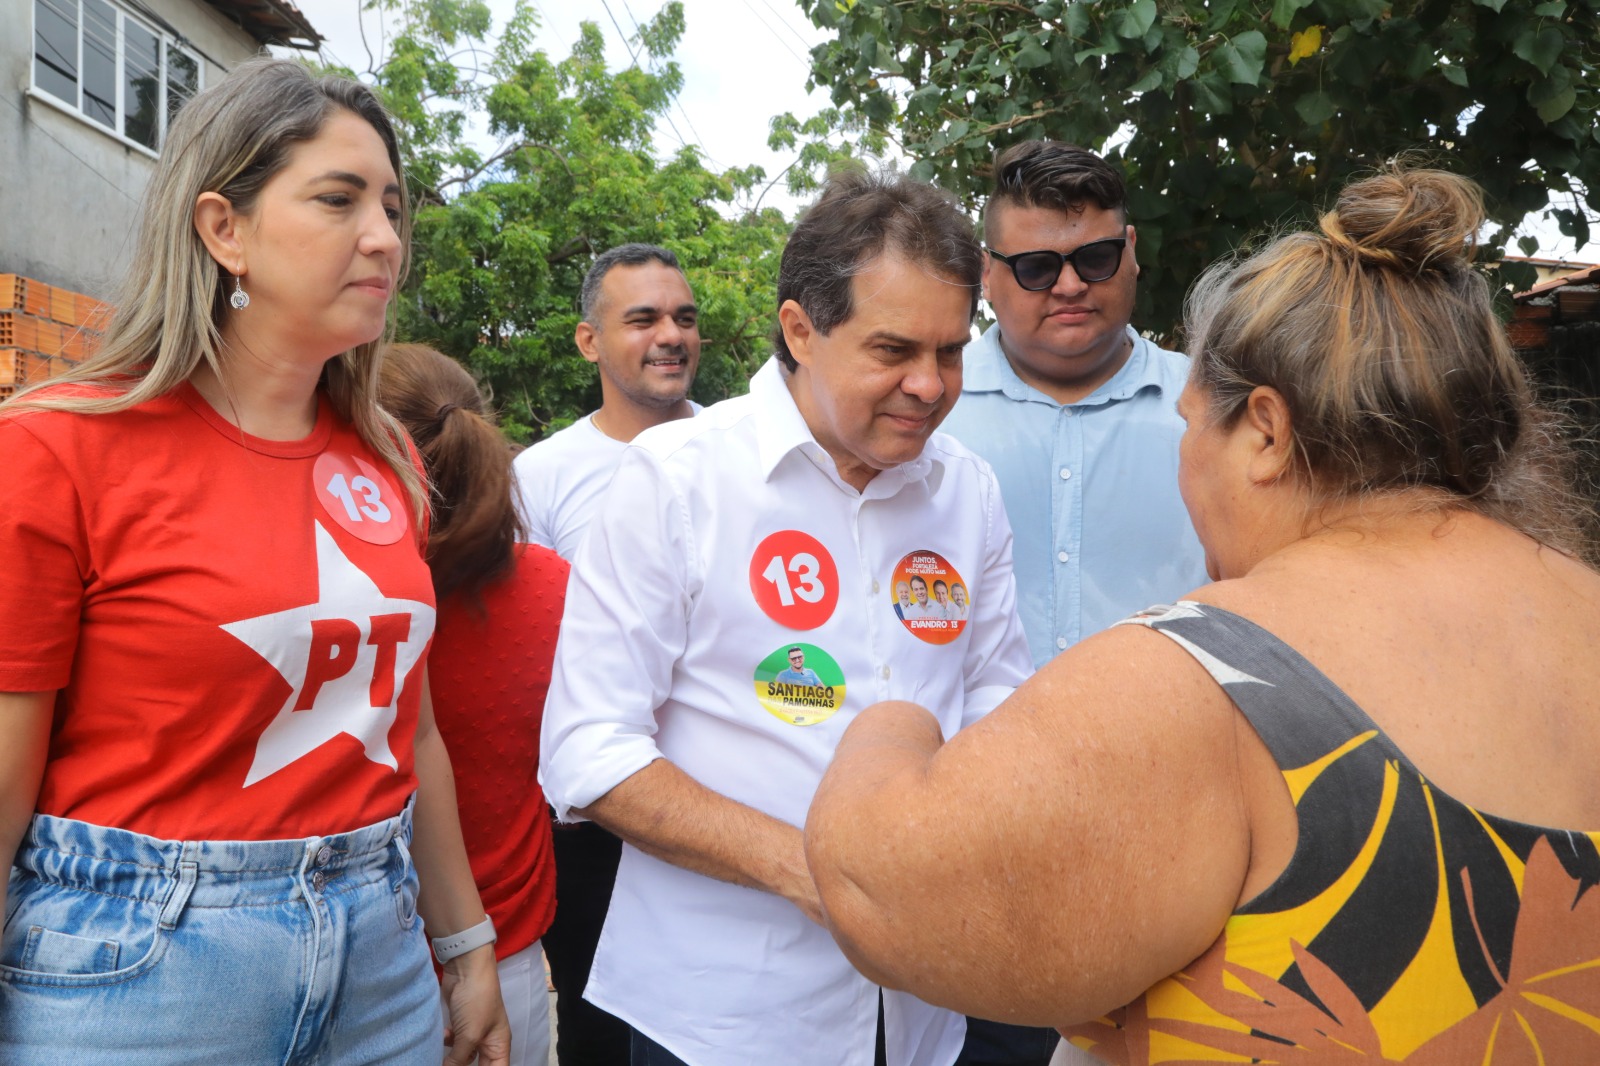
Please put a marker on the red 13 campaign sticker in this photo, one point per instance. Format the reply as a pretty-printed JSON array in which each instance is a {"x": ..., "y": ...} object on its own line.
[
  {"x": 359, "y": 498},
  {"x": 794, "y": 579}
]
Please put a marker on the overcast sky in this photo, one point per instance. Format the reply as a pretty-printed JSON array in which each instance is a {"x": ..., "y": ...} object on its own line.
[{"x": 743, "y": 62}]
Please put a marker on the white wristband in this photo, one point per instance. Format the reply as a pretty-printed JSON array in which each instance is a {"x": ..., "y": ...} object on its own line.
[{"x": 446, "y": 948}]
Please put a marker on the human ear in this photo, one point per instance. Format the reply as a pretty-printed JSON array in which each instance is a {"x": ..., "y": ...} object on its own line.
[
  {"x": 983, "y": 281},
  {"x": 1271, "y": 434},
  {"x": 585, "y": 336},
  {"x": 220, "y": 229},
  {"x": 797, "y": 331}
]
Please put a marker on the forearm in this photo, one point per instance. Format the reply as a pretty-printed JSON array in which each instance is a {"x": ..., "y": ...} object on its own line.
[
  {"x": 879, "y": 765},
  {"x": 477, "y": 1029},
  {"x": 449, "y": 899},
  {"x": 24, "y": 743},
  {"x": 664, "y": 812}
]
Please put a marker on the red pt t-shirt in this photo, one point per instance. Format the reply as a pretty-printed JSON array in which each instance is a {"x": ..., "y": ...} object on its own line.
[
  {"x": 234, "y": 625},
  {"x": 489, "y": 671}
]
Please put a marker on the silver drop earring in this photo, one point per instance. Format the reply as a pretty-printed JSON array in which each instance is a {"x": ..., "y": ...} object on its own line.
[{"x": 240, "y": 299}]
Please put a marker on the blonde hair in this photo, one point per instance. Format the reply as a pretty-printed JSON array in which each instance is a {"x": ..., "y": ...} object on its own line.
[
  {"x": 1383, "y": 340},
  {"x": 230, "y": 139}
]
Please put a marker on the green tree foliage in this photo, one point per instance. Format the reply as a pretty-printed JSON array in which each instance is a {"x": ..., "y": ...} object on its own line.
[
  {"x": 503, "y": 237},
  {"x": 1231, "y": 116}
]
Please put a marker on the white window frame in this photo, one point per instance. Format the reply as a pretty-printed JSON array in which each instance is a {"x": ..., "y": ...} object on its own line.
[{"x": 75, "y": 107}]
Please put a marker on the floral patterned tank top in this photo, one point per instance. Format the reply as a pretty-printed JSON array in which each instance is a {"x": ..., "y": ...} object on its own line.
[{"x": 1407, "y": 927}]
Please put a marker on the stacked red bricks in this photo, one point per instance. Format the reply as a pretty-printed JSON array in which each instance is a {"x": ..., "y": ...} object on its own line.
[{"x": 44, "y": 329}]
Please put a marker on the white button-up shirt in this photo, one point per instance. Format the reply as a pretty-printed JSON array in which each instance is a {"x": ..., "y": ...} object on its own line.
[{"x": 677, "y": 623}]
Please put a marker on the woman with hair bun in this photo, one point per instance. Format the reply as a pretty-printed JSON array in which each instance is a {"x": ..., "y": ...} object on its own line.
[
  {"x": 1339, "y": 805},
  {"x": 223, "y": 800},
  {"x": 500, "y": 606}
]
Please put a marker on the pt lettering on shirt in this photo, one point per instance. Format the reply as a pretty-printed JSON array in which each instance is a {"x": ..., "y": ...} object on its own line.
[{"x": 343, "y": 657}]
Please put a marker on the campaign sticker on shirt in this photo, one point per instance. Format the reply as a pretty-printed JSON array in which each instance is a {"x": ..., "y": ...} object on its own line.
[
  {"x": 929, "y": 597},
  {"x": 801, "y": 684},
  {"x": 359, "y": 498},
  {"x": 794, "y": 579}
]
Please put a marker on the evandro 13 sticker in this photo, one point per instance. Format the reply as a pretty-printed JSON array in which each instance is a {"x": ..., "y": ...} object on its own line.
[{"x": 929, "y": 597}]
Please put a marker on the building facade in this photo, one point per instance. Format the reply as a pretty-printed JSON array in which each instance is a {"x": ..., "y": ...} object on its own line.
[{"x": 89, "y": 87}]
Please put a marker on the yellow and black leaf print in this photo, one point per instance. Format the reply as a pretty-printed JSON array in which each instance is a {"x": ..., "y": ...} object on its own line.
[{"x": 1407, "y": 927}]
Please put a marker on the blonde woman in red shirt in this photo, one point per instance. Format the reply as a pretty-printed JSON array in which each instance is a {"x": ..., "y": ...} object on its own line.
[{"x": 222, "y": 796}]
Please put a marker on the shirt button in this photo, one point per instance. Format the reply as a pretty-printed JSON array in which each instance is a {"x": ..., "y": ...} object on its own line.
[
  {"x": 1062, "y": 557},
  {"x": 324, "y": 853},
  {"x": 1065, "y": 473},
  {"x": 1061, "y": 643},
  {"x": 874, "y": 588},
  {"x": 885, "y": 672}
]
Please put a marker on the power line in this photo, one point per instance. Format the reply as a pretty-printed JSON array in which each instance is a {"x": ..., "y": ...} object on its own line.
[
  {"x": 682, "y": 141},
  {"x": 631, "y": 53},
  {"x": 785, "y": 23},
  {"x": 776, "y": 36},
  {"x": 86, "y": 164},
  {"x": 700, "y": 141}
]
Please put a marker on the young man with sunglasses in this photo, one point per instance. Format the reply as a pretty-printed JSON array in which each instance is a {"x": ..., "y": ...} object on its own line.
[{"x": 1075, "y": 412}]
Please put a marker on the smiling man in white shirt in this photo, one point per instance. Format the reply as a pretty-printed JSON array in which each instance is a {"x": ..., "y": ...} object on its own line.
[{"x": 782, "y": 520}]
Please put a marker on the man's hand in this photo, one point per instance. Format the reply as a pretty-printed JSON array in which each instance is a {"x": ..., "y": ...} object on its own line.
[{"x": 664, "y": 812}]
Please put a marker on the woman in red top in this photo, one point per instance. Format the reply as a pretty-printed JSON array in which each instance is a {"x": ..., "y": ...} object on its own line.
[
  {"x": 220, "y": 783},
  {"x": 500, "y": 607}
]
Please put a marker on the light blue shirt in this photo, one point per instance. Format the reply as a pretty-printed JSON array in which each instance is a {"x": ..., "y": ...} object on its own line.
[
  {"x": 806, "y": 676},
  {"x": 1091, "y": 489}
]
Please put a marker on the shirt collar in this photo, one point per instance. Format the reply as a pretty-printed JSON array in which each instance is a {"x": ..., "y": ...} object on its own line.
[
  {"x": 781, "y": 429},
  {"x": 986, "y": 369}
]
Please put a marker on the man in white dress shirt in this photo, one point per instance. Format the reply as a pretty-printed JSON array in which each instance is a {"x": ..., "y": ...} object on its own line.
[
  {"x": 779, "y": 520},
  {"x": 640, "y": 329}
]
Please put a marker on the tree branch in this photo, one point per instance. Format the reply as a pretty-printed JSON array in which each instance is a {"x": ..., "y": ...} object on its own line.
[
  {"x": 571, "y": 249},
  {"x": 504, "y": 153},
  {"x": 1010, "y": 123}
]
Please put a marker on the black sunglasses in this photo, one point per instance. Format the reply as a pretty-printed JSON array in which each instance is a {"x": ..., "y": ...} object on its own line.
[{"x": 1037, "y": 271}]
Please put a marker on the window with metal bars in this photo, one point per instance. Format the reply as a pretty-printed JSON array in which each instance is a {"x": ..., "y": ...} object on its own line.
[{"x": 111, "y": 67}]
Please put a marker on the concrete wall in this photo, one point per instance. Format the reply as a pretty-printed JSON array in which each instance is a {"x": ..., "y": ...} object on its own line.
[{"x": 69, "y": 191}]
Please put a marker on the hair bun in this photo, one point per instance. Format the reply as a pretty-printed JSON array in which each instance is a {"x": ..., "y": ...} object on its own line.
[{"x": 1411, "y": 220}]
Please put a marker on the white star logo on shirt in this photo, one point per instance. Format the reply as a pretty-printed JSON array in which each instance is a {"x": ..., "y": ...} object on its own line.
[{"x": 344, "y": 657}]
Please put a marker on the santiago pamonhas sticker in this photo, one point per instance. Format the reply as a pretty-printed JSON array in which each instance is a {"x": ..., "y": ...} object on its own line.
[{"x": 800, "y": 684}]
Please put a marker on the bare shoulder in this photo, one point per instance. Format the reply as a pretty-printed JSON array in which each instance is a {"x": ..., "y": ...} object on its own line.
[
  {"x": 1128, "y": 676},
  {"x": 1124, "y": 702}
]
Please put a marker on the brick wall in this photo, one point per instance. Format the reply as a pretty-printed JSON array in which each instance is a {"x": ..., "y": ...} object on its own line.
[{"x": 44, "y": 329}]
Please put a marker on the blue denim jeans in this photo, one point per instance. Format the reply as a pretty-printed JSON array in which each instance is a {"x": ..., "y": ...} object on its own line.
[{"x": 125, "y": 949}]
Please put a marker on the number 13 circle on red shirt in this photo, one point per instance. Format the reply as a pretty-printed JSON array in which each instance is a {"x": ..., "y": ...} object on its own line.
[
  {"x": 794, "y": 579},
  {"x": 359, "y": 498}
]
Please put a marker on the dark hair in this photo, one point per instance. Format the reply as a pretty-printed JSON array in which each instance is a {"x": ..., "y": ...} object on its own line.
[
  {"x": 468, "y": 463},
  {"x": 1383, "y": 340},
  {"x": 622, "y": 255},
  {"x": 859, "y": 217},
  {"x": 794, "y": 649},
  {"x": 1057, "y": 175}
]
